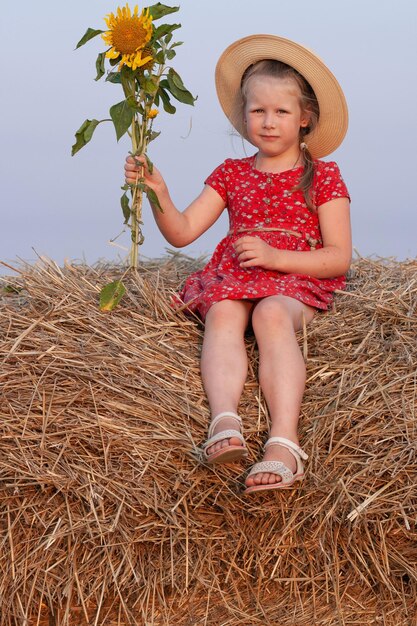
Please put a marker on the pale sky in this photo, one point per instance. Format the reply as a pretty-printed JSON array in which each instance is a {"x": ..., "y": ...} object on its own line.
[{"x": 67, "y": 207}]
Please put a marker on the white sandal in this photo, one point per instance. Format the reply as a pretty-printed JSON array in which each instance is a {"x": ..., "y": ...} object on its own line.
[
  {"x": 288, "y": 478},
  {"x": 229, "y": 453}
]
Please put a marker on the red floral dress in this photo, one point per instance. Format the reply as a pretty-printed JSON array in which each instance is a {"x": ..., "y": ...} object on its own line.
[{"x": 262, "y": 200}]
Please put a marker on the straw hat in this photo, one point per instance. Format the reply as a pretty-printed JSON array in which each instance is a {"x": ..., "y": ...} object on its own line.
[{"x": 333, "y": 119}]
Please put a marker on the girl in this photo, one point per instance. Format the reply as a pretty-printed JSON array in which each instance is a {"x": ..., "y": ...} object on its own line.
[{"x": 287, "y": 250}]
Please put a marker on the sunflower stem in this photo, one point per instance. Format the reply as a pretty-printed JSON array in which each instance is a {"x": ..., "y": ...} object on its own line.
[
  {"x": 140, "y": 138},
  {"x": 136, "y": 210}
]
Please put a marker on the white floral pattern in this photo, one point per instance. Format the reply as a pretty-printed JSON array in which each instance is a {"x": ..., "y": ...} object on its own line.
[{"x": 256, "y": 199}]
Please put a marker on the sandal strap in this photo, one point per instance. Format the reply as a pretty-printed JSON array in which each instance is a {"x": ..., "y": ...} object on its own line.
[
  {"x": 289, "y": 445},
  {"x": 219, "y": 417},
  {"x": 273, "y": 467},
  {"x": 224, "y": 434}
]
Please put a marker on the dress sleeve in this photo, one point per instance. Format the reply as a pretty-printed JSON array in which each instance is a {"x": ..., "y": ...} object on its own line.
[
  {"x": 329, "y": 184},
  {"x": 217, "y": 180}
]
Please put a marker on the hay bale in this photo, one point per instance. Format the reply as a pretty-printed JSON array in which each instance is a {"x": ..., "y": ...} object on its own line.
[{"x": 108, "y": 515}]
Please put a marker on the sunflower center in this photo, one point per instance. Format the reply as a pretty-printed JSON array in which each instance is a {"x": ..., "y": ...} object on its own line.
[{"x": 128, "y": 35}]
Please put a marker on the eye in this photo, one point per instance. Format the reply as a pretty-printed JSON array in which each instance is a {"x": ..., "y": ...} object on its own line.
[{"x": 282, "y": 111}]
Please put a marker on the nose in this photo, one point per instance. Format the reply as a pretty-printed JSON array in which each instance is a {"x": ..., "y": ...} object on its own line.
[{"x": 269, "y": 121}]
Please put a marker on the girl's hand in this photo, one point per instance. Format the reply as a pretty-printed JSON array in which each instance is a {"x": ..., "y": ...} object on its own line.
[
  {"x": 253, "y": 251},
  {"x": 137, "y": 167}
]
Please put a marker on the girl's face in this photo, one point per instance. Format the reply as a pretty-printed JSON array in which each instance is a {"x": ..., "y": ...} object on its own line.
[{"x": 273, "y": 115}]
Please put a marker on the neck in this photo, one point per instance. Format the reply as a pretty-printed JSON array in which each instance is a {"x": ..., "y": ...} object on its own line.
[{"x": 277, "y": 164}]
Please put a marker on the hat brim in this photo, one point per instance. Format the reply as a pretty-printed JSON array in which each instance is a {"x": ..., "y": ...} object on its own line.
[{"x": 333, "y": 117}]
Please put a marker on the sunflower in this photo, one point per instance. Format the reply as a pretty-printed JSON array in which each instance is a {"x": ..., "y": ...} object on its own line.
[{"x": 128, "y": 36}]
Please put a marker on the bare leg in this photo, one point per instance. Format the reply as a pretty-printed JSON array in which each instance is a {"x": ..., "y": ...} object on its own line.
[
  {"x": 224, "y": 362},
  {"x": 282, "y": 373}
]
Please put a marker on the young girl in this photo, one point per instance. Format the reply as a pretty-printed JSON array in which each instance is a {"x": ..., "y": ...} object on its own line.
[{"x": 287, "y": 250}]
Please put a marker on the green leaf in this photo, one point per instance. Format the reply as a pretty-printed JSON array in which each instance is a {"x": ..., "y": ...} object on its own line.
[
  {"x": 179, "y": 93},
  {"x": 100, "y": 65},
  {"x": 127, "y": 77},
  {"x": 170, "y": 53},
  {"x": 160, "y": 57},
  {"x": 152, "y": 197},
  {"x": 149, "y": 163},
  {"x": 84, "y": 134},
  {"x": 125, "y": 204},
  {"x": 168, "y": 107},
  {"x": 160, "y": 10},
  {"x": 174, "y": 77},
  {"x": 184, "y": 96},
  {"x": 122, "y": 116},
  {"x": 89, "y": 34},
  {"x": 165, "y": 29},
  {"x": 153, "y": 135},
  {"x": 141, "y": 238},
  {"x": 177, "y": 88},
  {"x": 131, "y": 101},
  {"x": 111, "y": 294},
  {"x": 149, "y": 86},
  {"x": 114, "y": 77},
  {"x": 133, "y": 186}
]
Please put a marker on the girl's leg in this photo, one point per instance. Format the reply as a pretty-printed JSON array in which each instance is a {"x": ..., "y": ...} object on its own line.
[
  {"x": 224, "y": 363},
  {"x": 282, "y": 373}
]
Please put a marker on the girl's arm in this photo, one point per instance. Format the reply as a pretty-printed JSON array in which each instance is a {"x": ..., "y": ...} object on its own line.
[
  {"x": 178, "y": 228},
  {"x": 327, "y": 262}
]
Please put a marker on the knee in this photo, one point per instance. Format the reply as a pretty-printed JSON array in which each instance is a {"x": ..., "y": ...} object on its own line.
[
  {"x": 224, "y": 314},
  {"x": 271, "y": 312}
]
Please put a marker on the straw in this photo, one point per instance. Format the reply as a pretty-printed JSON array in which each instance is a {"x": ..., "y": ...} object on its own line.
[{"x": 108, "y": 515}]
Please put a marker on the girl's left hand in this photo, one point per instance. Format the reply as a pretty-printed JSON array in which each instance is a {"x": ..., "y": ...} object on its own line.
[{"x": 253, "y": 251}]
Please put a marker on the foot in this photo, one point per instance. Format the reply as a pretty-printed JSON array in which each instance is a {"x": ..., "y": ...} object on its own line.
[
  {"x": 273, "y": 453},
  {"x": 225, "y": 442},
  {"x": 225, "y": 423}
]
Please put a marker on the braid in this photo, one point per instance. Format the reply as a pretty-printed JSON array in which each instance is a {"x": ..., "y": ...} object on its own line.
[
  {"x": 306, "y": 182},
  {"x": 309, "y": 103}
]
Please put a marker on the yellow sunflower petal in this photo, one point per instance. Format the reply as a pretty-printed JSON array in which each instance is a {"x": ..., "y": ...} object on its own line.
[
  {"x": 126, "y": 60},
  {"x": 107, "y": 38},
  {"x": 112, "y": 54},
  {"x": 110, "y": 19},
  {"x": 143, "y": 60}
]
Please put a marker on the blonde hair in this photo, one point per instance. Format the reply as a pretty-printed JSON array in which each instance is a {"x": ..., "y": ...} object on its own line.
[{"x": 308, "y": 104}]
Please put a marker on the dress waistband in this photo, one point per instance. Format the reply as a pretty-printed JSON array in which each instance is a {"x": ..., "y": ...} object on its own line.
[{"x": 309, "y": 239}]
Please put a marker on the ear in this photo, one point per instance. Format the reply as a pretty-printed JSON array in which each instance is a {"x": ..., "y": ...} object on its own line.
[{"x": 305, "y": 120}]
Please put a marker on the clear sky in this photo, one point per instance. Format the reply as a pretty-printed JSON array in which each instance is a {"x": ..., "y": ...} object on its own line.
[{"x": 68, "y": 207}]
